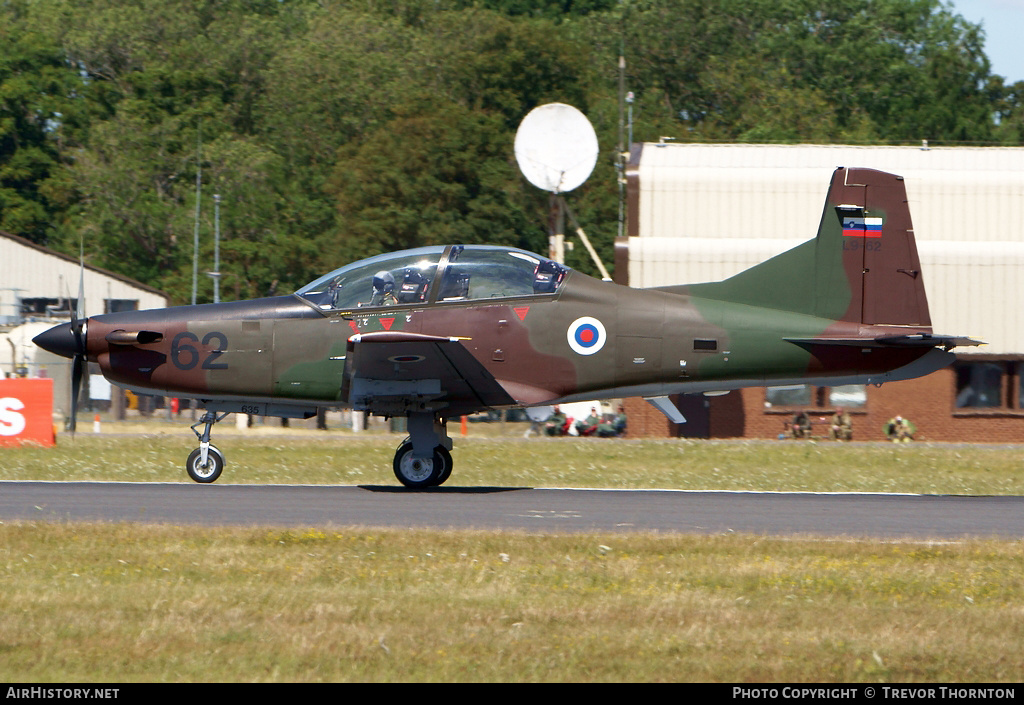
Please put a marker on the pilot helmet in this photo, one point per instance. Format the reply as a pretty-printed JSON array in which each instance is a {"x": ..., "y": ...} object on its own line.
[{"x": 384, "y": 282}]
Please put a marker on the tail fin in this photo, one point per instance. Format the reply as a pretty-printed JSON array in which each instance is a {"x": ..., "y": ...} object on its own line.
[{"x": 861, "y": 268}]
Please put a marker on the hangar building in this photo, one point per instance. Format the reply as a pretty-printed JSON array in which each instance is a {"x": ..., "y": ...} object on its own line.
[{"x": 701, "y": 212}]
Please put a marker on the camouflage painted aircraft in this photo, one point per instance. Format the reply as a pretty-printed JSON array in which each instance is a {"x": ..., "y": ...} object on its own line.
[{"x": 438, "y": 332}]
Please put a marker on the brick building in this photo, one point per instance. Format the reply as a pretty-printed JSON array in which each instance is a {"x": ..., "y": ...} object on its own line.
[{"x": 705, "y": 212}]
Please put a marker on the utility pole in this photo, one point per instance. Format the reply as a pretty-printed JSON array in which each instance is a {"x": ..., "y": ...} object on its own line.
[
  {"x": 215, "y": 274},
  {"x": 622, "y": 155},
  {"x": 199, "y": 191}
]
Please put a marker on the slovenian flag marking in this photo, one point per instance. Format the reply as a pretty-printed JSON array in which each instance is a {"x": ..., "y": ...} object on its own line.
[{"x": 855, "y": 226}]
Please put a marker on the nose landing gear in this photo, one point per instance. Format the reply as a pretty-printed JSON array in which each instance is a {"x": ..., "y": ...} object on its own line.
[{"x": 205, "y": 463}]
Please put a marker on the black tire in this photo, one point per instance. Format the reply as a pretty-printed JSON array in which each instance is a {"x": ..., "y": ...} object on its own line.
[
  {"x": 214, "y": 465},
  {"x": 446, "y": 468},
  {"x": 417, "y": 474}
]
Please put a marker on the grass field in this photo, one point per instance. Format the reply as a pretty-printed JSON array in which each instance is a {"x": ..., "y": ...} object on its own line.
[
  {"x": 337, "y": 457},
  {"x": 128, "y": 602}
]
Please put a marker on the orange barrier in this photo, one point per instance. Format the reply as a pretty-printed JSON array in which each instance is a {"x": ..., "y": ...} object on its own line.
[{"x": 26, "y": 412}]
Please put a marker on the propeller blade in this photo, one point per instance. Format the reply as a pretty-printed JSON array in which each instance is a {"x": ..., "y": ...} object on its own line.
[
  {"x": 79, "y": 361},
  {"x": 80, "y": 308},
  {"x": 77, "y": 368}
]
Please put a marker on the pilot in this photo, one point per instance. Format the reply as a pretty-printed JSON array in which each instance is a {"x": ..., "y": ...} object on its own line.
[
  {"x": 547, "y": 276},
  {"x": 383, "y": 289},
  {"x": 414, "y": 286}
]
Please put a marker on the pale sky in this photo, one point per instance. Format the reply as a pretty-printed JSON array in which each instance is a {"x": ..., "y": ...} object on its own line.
[{"x": 1003, "y": 22}]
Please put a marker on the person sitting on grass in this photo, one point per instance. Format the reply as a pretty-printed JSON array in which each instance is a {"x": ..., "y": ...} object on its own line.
[{"x": 589, "y": 425}]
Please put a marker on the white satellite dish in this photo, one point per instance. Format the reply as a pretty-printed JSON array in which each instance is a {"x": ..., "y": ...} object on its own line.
[{"x": 556, "y": 147}]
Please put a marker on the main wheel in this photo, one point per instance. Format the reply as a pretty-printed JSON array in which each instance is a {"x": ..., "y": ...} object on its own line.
[
  {"x": 205, "y": 473},
  {"x": 446, "y": 468},
  {"x": 419, "y": 472}
]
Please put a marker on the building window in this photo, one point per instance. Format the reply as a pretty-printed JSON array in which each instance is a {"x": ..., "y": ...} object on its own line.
[
  {"x": 790, "y": 395},
  {"x": 119, "y": 305},
  {"x": 979, "y": 385},
  {"x": 53, "y": 308},
  {"x": 989, "y": 385},
  {"x": 848, "y": 396}
]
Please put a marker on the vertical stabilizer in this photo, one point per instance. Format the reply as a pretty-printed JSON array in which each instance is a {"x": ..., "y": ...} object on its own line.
[
  {"x": 861, "y": 268},
  {"x": 866, "y": 226}
]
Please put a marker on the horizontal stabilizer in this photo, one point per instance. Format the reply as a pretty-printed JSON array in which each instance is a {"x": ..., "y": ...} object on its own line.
[{"x": 918, "y": 340}]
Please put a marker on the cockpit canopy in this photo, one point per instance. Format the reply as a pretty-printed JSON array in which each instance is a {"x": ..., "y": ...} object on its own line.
[{"x": 466, "y": 273}]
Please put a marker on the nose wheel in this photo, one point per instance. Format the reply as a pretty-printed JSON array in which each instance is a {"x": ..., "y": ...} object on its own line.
[
  {"x": 205, "y": 463},
  {"x": 207, "y": 471}
]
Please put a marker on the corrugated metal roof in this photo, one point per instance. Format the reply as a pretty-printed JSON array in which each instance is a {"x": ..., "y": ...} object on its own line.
[{"x": 706, "y": 212}]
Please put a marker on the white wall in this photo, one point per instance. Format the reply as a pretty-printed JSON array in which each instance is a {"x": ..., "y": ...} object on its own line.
[{"x": 37, "y": 274}]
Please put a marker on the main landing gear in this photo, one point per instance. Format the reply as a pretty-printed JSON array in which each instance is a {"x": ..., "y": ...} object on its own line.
[
  {"x": 205, "y": 463},
  {"x": 424, "y": 459}
]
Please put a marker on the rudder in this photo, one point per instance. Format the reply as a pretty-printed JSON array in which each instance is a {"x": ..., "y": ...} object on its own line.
[{"x": 866, "y": 225}]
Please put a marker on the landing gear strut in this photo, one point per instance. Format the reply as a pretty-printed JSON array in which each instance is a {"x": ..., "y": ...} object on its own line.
[
  {"x": 423, "y": 459},
  {"x": 205, "y": 463}
]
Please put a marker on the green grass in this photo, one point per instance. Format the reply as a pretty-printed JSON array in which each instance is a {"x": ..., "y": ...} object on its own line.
[
  {"x": 336, "y": 457},
  {"x": 87, "y": 602}
]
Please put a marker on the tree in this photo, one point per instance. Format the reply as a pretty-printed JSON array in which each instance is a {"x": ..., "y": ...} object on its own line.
[
  {"x": 894, "y": 70},
  {"x": 35, "y": 108},
  {"x": 436, "y": 173}
]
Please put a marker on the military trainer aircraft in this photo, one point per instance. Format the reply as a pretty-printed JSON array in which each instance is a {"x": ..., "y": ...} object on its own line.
[{"x": 438, "y": 332}]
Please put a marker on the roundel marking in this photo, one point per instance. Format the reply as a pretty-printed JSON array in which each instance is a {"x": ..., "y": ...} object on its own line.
[
  {"x": 586, "y": 335},
  {"x": 406, "y": 358}
]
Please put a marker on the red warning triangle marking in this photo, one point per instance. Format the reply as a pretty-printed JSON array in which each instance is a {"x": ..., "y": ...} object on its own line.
[
  {"x": 521, "y": 311},
  {"x": 387, "y": 322}
]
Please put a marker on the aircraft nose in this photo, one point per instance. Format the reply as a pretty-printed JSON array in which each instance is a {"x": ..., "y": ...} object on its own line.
[{"x": 60, "y": 340}]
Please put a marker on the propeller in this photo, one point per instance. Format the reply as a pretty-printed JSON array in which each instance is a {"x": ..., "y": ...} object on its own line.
[{"x": 78, "y": 361}]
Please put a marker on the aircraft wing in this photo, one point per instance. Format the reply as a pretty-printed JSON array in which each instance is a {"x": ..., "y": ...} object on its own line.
[{"x": 392, "y": 373}]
